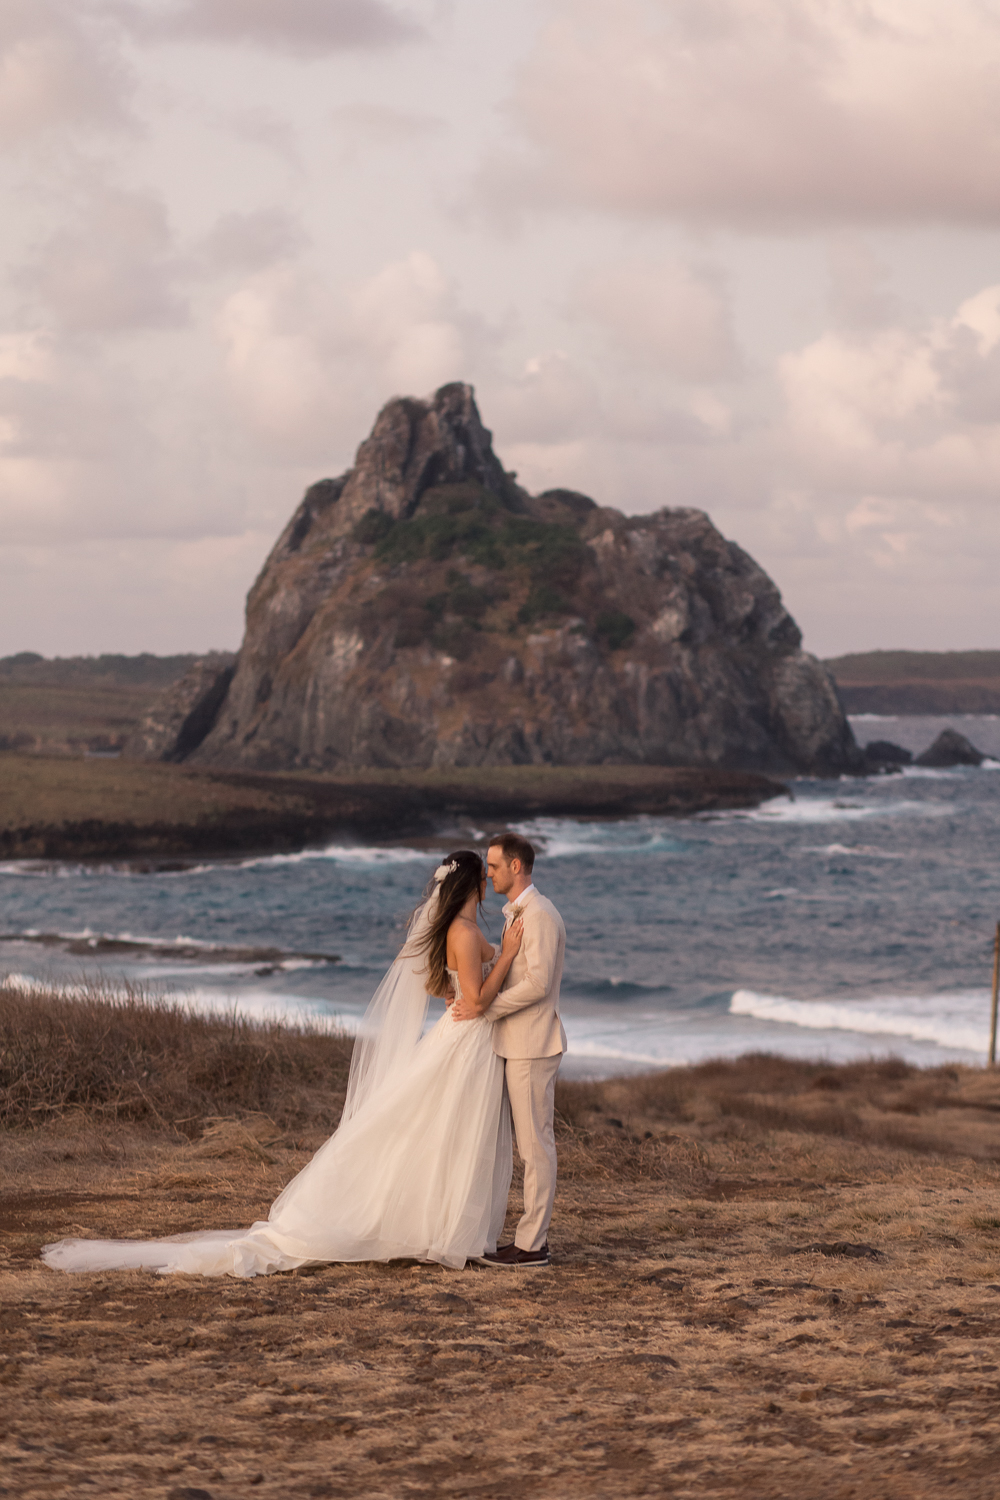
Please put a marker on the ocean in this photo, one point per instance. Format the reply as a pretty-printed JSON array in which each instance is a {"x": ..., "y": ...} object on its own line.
[{"x": 852, "y": 918}]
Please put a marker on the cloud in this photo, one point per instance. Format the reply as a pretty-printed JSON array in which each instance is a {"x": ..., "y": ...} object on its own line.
[
  {"x": 23, "y": 356},
  {"x": 89, "y": 450},
  {"x": 860, "y": 296},
  {"x": 669, "y": 316},
  {"x": 869, "y": 492},
  {"x": 252, "y": 241},
  {"x": 553, "y": 401},
  {"x": 272, "y": 330},
  {"x": 305, "y": 28},
  {"x": 59, "y": 66},
  {"x": 217, "y": 425},
  {"x": 309, "y": 366},
  {"x": 558, "y": 399},
  {"x": 409, "y": 316},
  {"x": 261, "y": 127},
  {"x": 900, "y": 416},
  {"x": 114, "y": 269},
  {"x": 861, "y": 467},
  {"x": 366, "y": 126},
  {"x": 761, "y": 112}
]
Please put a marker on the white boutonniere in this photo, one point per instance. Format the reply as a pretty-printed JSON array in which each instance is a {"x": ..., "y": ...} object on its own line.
[{"x": 516, "y": 912}]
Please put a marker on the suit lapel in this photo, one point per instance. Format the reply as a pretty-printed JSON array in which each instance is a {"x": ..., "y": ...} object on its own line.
[{"x": 509, "y": 979}]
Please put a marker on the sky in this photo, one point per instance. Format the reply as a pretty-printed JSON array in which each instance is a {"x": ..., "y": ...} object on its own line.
[{"x": 742, "y": 255}]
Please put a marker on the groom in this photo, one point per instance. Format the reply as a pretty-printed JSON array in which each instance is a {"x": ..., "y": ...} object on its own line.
[{"x": 529, "y": 1036}]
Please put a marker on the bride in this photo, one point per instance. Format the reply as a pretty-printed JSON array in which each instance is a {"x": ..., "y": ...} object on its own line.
[{"x": 420, "y": 1165}]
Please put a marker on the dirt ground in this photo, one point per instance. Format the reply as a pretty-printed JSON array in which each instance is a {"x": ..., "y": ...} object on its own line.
[{"x": 785, "y": 1314}]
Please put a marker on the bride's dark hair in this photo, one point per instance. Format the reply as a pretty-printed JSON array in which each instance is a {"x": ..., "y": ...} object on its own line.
[{"x": 464, "y": 880}]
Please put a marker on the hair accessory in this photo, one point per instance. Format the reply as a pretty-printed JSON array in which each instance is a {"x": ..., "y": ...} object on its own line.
[{"x": 444, "y": 870}]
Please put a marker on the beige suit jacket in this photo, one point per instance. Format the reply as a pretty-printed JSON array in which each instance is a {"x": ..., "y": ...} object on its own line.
[{"x": 526, "y": 1011}]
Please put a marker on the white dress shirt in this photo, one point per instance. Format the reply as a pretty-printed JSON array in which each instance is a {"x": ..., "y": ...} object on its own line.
[{"x": 512, "y": 905}]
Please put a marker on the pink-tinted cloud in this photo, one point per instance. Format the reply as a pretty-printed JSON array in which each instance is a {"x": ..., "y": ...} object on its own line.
[
  {"x": 360, "y": 128},
  {"x": 59, "y": 67},
  {"x": 898, "y": 420},
  {"x": 302, "y": 27},
  {"x": 762, "y": 111},
  {"x": 306, "y": 366},
  {"x": 113, "y": 268},
  {"x": 664, "y": 314},
  {"x": 245, "y": 242}
]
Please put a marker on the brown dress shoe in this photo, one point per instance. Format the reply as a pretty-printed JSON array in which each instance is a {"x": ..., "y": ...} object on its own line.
[{"x": 509, "y": 1258}]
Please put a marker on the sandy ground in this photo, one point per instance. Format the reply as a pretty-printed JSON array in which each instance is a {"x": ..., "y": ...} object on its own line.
[{"x": 687, "y": 1341}]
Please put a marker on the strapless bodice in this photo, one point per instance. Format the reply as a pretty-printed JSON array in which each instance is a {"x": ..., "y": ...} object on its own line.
[{"x": 453, "y": 976}]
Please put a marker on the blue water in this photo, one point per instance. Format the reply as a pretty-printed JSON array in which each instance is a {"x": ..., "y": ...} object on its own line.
[{"x": 856, "y": 917}]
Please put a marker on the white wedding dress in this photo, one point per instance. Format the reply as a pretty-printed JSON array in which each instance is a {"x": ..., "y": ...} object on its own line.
[{"x": 420, "y": 1165}]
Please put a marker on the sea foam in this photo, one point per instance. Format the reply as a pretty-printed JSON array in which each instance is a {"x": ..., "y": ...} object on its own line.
[{"x": 957, "y": 1020}]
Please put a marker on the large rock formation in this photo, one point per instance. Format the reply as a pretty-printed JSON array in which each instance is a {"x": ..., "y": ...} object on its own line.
[{"x": 423, "y": 609}]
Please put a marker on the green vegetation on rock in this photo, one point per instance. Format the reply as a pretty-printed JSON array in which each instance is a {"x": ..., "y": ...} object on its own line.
[
  {"x": 373, "y": 527},
  {"x": 467, "y": 521},
  {"x": 615, "y": 628},
  {"x": 543, "y": 600}
]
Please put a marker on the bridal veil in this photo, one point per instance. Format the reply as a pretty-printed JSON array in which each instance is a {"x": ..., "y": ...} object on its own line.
[{"x": 419, "y": 1166}]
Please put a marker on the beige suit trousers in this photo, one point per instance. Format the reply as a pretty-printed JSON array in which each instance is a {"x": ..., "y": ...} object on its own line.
[{"x": 531, "y": 1089}]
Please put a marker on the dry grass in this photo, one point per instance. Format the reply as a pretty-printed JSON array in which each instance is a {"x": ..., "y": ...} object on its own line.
[
  {"x": 742, "y": 1303},
  {"x": 125, "y": 1057},
  {"x": 69, "y": 720},
  {"x": 61, "y": 806},
  {"x": 122, "y": 1055},
  {"x": 74, "y": 704},
  {"x": 886, "y": 1102}
]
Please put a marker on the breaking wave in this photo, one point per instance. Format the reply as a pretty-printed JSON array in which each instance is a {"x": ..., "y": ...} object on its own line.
[{"x": 957, "y": 1020}]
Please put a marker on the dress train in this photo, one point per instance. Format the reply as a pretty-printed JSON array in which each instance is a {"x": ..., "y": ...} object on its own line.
[{"x": 421, "y": 1168}]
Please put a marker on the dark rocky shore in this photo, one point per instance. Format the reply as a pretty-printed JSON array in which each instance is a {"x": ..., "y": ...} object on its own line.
[{"x": 60, "y": 809}]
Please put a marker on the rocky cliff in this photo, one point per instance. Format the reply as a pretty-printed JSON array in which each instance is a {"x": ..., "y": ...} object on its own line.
[
  {"x": 183, "y": 713},
  {"x": 423, "y": 609}
]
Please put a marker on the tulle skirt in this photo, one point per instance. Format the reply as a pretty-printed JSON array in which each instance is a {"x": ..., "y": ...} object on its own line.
[{"x": 422, "y": 1170}]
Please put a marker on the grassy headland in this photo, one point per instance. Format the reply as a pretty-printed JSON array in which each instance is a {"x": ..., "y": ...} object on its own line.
[
  {"x": 71, "y": 704},
  {"x": 63, "y": 807},
  {"x": 771, "y": 1278},
  {"x": 919, "y": 682}
]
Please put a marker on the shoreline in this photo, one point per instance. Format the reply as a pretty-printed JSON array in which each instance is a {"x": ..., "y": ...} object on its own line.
[{"x": 54, "y": 808}]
